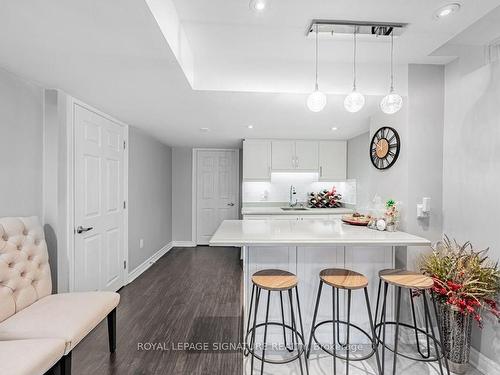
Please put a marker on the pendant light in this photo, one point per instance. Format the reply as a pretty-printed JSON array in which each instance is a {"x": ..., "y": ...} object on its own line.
[
  {"x": 392, "y": 102},
  {"x": 316, "y": 100},
  {"x": 355, "y": 100}
]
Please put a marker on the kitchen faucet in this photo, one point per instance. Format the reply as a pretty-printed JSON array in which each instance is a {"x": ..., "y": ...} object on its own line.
[{"x": 291, "y": 203}]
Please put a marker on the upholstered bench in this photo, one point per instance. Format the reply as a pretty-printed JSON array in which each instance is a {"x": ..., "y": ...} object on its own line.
[
  {"x": 30, "y": 357},
  {"x": 28, "y": 310}
]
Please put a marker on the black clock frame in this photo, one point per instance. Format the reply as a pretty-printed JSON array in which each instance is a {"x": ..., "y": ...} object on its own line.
[{"x": 374, "y": 155}]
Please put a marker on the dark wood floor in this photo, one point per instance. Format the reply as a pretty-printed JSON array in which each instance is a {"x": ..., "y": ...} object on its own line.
[{"x": 190, "y": 295}]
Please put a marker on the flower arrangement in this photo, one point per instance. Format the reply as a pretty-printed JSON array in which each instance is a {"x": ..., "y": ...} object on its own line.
[
  {"x": 464, "y": 279},
  {"x": 392, "y": 212},
  {"x": 325, "y": 199}
]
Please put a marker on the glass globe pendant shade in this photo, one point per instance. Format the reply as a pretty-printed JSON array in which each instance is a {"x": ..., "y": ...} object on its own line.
[
  {"x": 354, "y": 101},
  {"x": 391, "y": 103},
  {"x": 316, "y": 101}
]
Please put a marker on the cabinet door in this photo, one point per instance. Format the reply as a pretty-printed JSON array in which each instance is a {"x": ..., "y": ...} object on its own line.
[
  {"x": 283, "y": 155},
  {"x": 332, "y": 160},
  {"x": 306, "y": 155},
  {"x": 256, "y": 160}
]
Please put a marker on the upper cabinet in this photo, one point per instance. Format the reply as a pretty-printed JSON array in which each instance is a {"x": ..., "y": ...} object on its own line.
[
  {"x": 294, "y": 155},
  {"x": 332, "y": 160},
  {"x": 306, "y": 155},
  {"x": 256, "y": 160},
  {"x": 260, "y": 157}
]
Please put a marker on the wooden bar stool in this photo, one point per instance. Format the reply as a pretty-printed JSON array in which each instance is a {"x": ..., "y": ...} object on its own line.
[
  {"x": 274, "y": 280},
  {"x": 339, "y": 278},
  {"x": 411, "y": 281}
]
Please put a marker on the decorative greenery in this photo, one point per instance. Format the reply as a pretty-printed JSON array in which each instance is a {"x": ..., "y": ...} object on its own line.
[
  {"x": 392, "y": 212},
  {"x": 325, "y": 199},
  {"x": 465, "y": 279}
]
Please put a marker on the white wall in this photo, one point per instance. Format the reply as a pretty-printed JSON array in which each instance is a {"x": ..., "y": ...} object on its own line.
[
  {"x": 472, "y": 170},
  {"x": 21, "y": 123},
  {"x": 182, "y": 199},
  {"x": 150, "y": 196}
]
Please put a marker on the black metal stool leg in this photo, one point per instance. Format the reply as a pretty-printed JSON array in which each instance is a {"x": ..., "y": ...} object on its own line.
[
  {"x": 314, "y": 318},
  {"x": 290, "y": 296},
  {"x": 377, "y": 305},
  {"x": 252, "y": 340},
  {"x": 425, "y": 356},
  {"x": 301, "y": 328},
  {"x": 334, "y": 345},
  {"x": 440, "y": 335},
  {"x": 372, "y": 328},
  {"x": 283, "y": 320},
  {"x": 265, "y": 334},
  {"x": 245, "y": 352},
  {"x": 383, "y": 316},
  {"x": 436, "y": 343},
  {"x": 338, "y": 319},
  {"x": 348, "y": 349},
  {"x": 396, "y": 334}
]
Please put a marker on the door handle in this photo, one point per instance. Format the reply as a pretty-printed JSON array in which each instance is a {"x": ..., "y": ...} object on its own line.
[
  {"x": 81, "y": 229},
  {"x": 231, "y": 204}
]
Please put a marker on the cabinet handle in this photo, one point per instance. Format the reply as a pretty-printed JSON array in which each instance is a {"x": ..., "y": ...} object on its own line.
[
  {"x": 296, "y": 162},
  {"x": 320, "y": 171}
]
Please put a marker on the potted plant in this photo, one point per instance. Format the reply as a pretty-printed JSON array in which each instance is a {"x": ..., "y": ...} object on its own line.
[{"x": 466, "y": 286}]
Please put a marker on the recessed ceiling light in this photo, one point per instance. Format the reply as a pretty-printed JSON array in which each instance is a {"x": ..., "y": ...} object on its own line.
[
  {"x": 447, "y": 10},
  {"x": 205, "y": 130},
  {"x": 259, "y": 5},
  {"x": 250, "y": 126},
  {"x": 334, "y": 128}
]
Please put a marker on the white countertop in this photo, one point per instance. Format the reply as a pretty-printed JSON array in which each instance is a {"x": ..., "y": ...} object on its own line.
[
  {"x": 278, "y": 211},
  {"x": 307, "y": 232}
]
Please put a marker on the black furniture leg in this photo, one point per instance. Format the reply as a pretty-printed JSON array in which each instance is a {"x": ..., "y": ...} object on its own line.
[
  {"x": 283, "y": 320},
  {"x": 348, "y": 349},
  {"x": 65, "y": 364},
  {"x": 252, "y": 339},
  {"x": 372, "y": 327},
  {"x": 112, "y": 330},
  {"x": 334, "y": 345},
  {"x": 245, "y": 352},
  {"x": 314, "y": 318},
  {"x": 290, "y": 296},
  {"x": 436, "y": 343},
  {"x": 301, "y": 329},
  {"x": 265, "y": 334},
  {"x": 396, "y": 334}
]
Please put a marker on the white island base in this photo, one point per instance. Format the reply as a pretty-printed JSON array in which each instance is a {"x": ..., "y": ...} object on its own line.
[{"x": 305, "y": 248}]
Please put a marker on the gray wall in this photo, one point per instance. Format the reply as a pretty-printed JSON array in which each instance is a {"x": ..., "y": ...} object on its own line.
[
  {"x": 150, "y": 196},
  {"x": 472, "y": 170},
  {"x": 182, "y": 169},
  {"x": 21, "y": 147}
]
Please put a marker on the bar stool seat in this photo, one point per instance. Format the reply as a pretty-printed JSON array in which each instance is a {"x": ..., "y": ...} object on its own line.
[
  {"x": 406, "y": 279},
  {"x": 343, "y": 278},
  {"x": 275, "y": 280}
]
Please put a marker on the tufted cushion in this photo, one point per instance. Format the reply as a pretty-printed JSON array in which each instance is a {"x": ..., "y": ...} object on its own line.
[
  {"x": 38, "y": 356},
  {"x": 24, "y": 264},
  {"x": 66, "y": 316}
]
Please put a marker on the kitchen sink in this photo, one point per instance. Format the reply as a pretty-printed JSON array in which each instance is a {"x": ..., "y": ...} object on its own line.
[{"x": 294, "y": 208}]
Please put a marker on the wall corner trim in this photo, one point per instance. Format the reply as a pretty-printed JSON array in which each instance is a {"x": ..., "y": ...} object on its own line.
[
  {"x": 139, "y": 270},
  {"x": 483, "y": 363}
]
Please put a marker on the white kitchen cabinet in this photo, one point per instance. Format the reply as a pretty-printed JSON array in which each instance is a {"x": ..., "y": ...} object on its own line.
[
  {"x": 332, "y": 160},
  {"x": 306, "y": 155},
  {"x": 295, "y": 155},
  {"x": 283, "y": 155},
  {"x": 256, "y": 160}
]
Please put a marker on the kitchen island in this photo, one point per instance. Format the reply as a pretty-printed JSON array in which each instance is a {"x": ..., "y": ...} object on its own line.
[{"x": 305, "y": 248}]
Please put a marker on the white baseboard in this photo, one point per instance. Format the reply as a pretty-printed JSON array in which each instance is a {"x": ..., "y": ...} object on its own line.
[
  {"x": 483, "y": 363},
  {"x": 184, "y": 244},
  {"x": 139, "y": 270}
]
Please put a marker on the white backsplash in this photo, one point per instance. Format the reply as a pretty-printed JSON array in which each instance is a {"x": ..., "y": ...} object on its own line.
[{"x": 278, "y": 189}]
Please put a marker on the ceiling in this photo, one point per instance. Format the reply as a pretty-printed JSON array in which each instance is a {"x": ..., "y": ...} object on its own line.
[{"x": 115, "y": 56}]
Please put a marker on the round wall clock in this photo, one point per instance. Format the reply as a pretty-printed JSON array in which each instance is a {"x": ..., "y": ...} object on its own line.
[{"x": 384, "y": 149}]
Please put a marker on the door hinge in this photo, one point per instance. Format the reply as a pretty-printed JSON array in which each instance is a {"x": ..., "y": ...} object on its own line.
[
  {"x": 124, "y": 205},
  {"x": 124, "y": 264},
  {"x": 124, "y": 144}
]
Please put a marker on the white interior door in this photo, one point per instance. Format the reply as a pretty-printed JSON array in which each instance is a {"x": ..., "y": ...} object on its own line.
[
  {"x": 216, "y": 191},
  {"x": 99, "y": 202}
]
